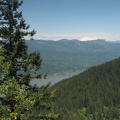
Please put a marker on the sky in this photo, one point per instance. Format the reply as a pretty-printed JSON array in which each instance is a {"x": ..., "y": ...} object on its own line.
[{"x": 73, "y": 19}]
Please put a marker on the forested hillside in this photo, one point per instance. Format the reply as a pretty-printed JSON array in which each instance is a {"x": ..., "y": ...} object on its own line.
[
  {"x": 73, "y": 55},
  {"x": 92, "y": 95}
]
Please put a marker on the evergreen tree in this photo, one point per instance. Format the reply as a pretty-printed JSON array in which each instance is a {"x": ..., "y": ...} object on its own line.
[{"x": 19, "y": 99}]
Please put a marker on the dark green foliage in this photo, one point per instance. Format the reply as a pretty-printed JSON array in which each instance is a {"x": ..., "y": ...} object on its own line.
[
  {"x": 20, "y": 100},
  {"x": 91, "y": 95}
]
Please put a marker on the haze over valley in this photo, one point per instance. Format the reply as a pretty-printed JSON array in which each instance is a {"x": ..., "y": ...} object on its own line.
[{"x": 65, "y": 58}]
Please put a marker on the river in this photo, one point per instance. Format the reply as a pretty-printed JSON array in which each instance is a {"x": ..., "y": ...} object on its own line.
[{"x": 53, "y": 78}]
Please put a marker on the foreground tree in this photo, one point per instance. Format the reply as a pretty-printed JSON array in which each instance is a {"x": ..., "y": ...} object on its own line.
[{"x": 19, "y": 99}]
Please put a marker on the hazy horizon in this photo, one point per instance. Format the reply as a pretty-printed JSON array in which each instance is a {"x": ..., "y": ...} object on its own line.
[{"x": 75, "y": 39}]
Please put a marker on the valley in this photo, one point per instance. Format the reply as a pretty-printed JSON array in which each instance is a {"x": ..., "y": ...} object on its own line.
[{"x": 65, "y": 58}]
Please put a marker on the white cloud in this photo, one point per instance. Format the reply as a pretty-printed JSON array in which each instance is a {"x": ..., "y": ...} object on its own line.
[
  {"x": 88, "y": 38},
  {"x": 81, "y": 36}
]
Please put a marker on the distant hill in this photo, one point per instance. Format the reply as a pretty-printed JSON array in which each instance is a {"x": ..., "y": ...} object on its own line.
[
  {"x": 92, "y": 95},
  {"x": 73, "y": 55}
]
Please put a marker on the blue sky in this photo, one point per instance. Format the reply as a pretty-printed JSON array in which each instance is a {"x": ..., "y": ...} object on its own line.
[{"x": 73, "y": 19}]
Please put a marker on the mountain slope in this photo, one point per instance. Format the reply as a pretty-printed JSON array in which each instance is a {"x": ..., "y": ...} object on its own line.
[
  {"x": 92, "y": 95},
  {"x": 72, "y": 55}
]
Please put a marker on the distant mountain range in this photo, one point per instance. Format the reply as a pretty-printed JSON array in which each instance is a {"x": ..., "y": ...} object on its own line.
[{"x": 73, "y": 55}]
